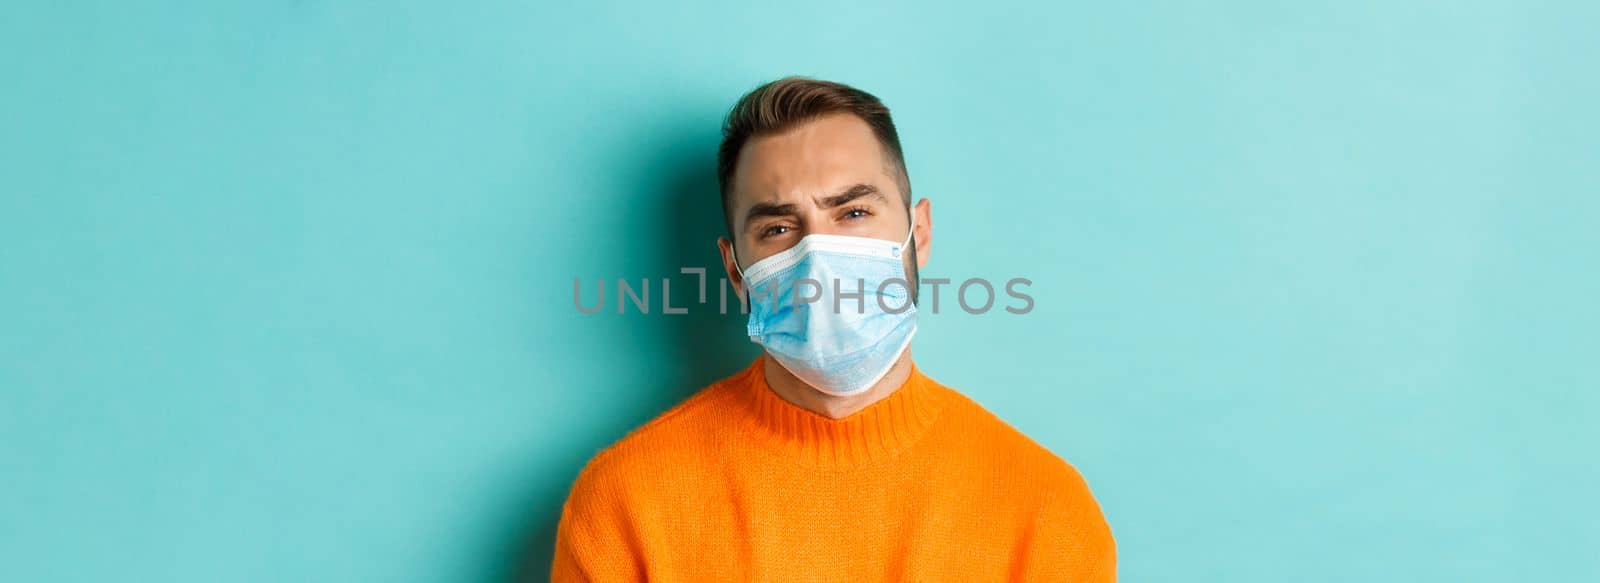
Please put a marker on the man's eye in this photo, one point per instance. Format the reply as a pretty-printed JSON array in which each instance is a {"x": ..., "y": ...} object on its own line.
[
  {"x": 774, "y": 231},
  {"x": 857, "y": 213}
]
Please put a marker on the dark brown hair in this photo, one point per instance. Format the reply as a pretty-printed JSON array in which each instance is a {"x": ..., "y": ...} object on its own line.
[{"x": 790, "y": 101}]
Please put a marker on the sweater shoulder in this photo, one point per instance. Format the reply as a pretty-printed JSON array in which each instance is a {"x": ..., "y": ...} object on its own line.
[
  {"x": 671, "y": 438},
  {"x": 1018, "y": 455}
]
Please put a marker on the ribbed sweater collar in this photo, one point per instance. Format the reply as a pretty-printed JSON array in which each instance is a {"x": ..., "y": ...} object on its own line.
[{"x": 871, "y": 434}]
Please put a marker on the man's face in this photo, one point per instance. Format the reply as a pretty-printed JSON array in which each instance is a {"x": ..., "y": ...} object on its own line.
[{"x": 828, "y": 175}]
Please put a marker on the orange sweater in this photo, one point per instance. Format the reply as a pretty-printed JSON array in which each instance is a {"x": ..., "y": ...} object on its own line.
[{"x": 736, "y": 484}]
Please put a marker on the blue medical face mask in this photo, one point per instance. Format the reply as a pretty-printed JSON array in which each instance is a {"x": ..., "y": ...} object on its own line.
[{"x": 835, "y": 311}]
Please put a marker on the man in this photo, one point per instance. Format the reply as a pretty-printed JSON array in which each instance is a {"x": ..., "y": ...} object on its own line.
[{"x": 832, "y": 457}]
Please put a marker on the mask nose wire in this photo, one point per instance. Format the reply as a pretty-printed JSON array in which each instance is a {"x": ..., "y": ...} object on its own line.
[{"x": 904, "y": 246}]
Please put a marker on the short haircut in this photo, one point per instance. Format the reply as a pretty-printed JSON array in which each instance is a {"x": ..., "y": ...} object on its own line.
[{"x": 783, "y": 104}]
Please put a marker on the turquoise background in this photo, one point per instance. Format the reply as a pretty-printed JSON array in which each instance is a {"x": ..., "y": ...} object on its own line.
[{"x": 286, "y": 288}]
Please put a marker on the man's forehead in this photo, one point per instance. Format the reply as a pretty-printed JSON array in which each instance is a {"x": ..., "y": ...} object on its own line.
[{"x": 810, "y": 161}]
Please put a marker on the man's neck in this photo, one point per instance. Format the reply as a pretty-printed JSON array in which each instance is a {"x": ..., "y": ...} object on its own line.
[{"x": 802, "y": 395}]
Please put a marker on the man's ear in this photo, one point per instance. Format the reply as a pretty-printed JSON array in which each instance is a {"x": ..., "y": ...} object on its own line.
[
  {"x": 730, "y": 265},
  {"x": 922, "y": 230}
]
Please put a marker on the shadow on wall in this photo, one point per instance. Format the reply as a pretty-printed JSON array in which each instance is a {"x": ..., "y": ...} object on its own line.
[{"x": 685, "y": 215}]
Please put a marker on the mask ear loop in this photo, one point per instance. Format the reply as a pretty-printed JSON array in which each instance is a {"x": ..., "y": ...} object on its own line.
[
  {"x": 742, "y": 279},
  {"x": 906, "y": 249},
  {"x": 905, "y": 246},
  {"x": 744, "y": 282}
]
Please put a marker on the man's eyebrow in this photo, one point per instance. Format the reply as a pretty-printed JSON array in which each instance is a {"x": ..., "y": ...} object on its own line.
[
  {"x": 850, "y": 194},
  {"x": 767, "y": 209}
]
